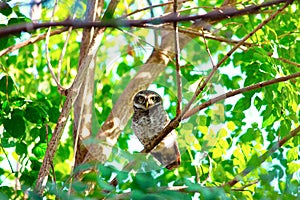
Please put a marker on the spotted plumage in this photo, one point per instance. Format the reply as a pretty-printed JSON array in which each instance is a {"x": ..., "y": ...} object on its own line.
[{"x": 148, "y": 120}]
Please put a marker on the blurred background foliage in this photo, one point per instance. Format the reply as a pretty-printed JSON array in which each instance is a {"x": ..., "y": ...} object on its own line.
[{"x": 216, "y": 144}]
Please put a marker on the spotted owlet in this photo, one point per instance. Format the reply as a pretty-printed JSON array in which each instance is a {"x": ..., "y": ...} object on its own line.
[{"x": 148, "y": 120}]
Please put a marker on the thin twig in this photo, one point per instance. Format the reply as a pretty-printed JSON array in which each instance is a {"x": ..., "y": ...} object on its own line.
[
  {"x": 288, "y": 61},
  {"x": 48, "y": 59},
  {"x": 207, "y": 50},
  {"x": 245, "y": 186},
  {"x": 151, "y": 7},
  {"x": 64, "y": 49},
  {"x": 63, "y": 52},
  {"x": 178, "y": 71}
]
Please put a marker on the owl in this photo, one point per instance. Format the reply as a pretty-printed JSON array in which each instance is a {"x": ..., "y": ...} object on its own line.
[{"x": 148, "y": 120}]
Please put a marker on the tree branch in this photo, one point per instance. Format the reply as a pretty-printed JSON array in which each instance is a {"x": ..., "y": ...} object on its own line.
[
  {"x": 177, "y": 57},
  {"x": 151, "y": 7},
  {"x": 115, "y": 23},
  {"x": 239, "y": 91},
  {"x": 31, "y": 41},
  {"x": 48, "y": 59},
  {"x": 71, "y": 97}
]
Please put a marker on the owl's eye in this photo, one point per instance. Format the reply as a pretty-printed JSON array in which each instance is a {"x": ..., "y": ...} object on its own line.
[
  {"x": 140, "y": 99},
  {"x": 155, "y": 99}
]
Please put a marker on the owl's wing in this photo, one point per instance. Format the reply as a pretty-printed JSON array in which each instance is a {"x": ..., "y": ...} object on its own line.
[{"x": 167, "y": 152}]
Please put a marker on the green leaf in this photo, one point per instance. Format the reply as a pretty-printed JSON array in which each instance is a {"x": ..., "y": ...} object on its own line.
[
  {"x": 7, "y": 142},
  {"x": 123, "y": 68},
  {"x": 34, "y": 133},
  {"x": 21, "y": 148},
  {"x": 144, "y": 181},
  {"x": 248, "y": 136},
  {"x": 15, "y": 126},
  {"x": 39, "y": 150},
  {"x": 254, "y": 161},
  {"x": 35, "y": 114},
  {"x": 285, "y": 127},
  {"x": 257, "y": 103},
  {"x": 292, "y": 154},
  {"x": 293, "y": 167},
  {"x": 270, "y": 120},
  {"x": 6, "y": 107},
  {"x": 242, "y": 104},
  {"x": 104, "y": 185},
  {"x": 105, "y": 171},
  {"x": 5, "y": 9},
  {"x": 54, "y": 114},
  {"x": 6, "y": 84}
]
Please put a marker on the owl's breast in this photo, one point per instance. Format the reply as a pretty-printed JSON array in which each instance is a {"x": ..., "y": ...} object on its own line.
[{"x": 146, "y": 125}]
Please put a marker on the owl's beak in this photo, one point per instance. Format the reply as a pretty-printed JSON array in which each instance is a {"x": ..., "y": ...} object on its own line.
[{"x": 148, "y": 103}]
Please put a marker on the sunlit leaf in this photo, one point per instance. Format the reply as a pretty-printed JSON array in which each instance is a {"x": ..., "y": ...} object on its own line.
[{"x": 39, "y": 150}]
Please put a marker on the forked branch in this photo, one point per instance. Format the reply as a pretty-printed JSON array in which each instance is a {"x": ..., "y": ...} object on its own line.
[{"x": 176, "y": 121}]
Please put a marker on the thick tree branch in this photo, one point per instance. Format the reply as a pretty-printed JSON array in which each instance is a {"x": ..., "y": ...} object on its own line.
[
  {"x": 71, "y": 97},
  {"x": 82, "y": 107},
  {"x": 116, "y": 23}
]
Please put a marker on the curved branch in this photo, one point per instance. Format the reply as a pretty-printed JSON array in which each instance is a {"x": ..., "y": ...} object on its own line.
[{"x": 31, "y": 41}]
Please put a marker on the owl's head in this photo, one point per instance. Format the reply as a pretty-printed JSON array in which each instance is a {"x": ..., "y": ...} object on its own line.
[{"x": 146, "y": 99}]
